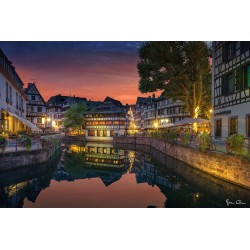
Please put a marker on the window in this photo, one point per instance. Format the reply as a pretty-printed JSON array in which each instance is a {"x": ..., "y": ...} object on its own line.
[
  {"x": 91, "y": 132},
  {"x": 10, "y": 95},
  {"x": 218, "y": 128},
  {"x": 104, "y": 133},
  {"x": 248, "y": 125},
  {"x": 244, "y": 46},
  {"x": 91, "y": 149},
  {"x": 98, "y": 133},
  {"x": 228, "y": 85},
  {"x": 233, "y": 125},
  {"x": 105, "y": 150},
  {"x": 39, "y": 109},
  {"x": 99, "y": 150},
  {"x": 39, "y": 120},
  {"x": 246, "y": 76},
  {"x": 16, "y": 100},
  {"x": 237, "y": 80},
  {"x": 20, "y": 101},
  {"x": 7, "y": 92},
  {"x": 112, "y": 133},
  {"x": 228, "y": 51},
  {"x": 33, "y": 98}
]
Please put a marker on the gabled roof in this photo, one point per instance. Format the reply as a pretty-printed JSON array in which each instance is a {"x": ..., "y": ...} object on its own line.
[
  {"x": 109, "y": 99},
  {"x": 142, "y": 100},
  {"x": 57, "y": 99},
  {"x": 108, "y": 106},
  {"x": 29, "y": 88},
  {"x": 72, "y": 100}
]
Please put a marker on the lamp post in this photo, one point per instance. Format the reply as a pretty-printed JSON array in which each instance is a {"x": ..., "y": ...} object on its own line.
[
  {"x": 156, "y": 125},
  {"x": 48, "y": 119}
]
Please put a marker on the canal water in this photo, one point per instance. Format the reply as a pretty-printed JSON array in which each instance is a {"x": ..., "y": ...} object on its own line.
[{"x": 100, "y": 175}]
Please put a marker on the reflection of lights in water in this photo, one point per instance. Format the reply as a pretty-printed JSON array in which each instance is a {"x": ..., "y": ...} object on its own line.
[
  {"x": 77, "y": 149},
  {"x": 196, "y": 196}
]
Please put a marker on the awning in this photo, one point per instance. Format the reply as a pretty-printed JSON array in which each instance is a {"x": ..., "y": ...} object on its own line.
[{"x": 25, "y": 121}]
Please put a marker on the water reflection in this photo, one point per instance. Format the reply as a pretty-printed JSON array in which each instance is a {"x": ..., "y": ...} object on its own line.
[{"x": 99, "y": 175}]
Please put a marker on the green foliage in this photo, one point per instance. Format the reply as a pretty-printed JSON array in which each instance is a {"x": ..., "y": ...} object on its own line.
[
  {"x": 172, "y": 136},
  {"x": 185, "y": 138},
  {"x": 180, "y": 69},
  {"x": 3, "y": 143},
  {"x": 204, "y": 141},
  {"x": 166, "y": 136},
  {"x": 235, "y": 144},
  {"x": 49, "y": 141},
  {"x": 21, "y": 132},
  {"x": 74, "y": 117},
  {"x": 25, "y": 142},
  {"x": 74, "y": 163}
]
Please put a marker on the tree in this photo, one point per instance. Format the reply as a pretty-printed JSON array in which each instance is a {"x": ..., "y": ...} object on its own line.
[
  {"x": 181, "y": 70},
  {"x": 74, "y": 117}
]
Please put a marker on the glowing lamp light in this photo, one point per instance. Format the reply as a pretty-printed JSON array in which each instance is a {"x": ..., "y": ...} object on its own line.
[
  {"x": 53, "y": 124},
  {"x": 211, "y": 111},
  {"x": 48, "y": 119},
  {"x": 156, "y": 124}
]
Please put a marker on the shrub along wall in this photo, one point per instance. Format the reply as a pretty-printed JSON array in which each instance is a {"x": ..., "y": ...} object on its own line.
[{"x": 230, "y": 168}]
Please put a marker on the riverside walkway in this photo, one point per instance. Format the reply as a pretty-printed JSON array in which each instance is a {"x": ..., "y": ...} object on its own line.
[{"x": 14, "y": 146}]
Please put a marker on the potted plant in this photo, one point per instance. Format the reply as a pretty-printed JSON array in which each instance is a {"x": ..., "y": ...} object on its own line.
[
  {"x": 25, "y": 142},
  {"x": 3, "y": 143},
  {"x": 235, "y": 144},
  {"x": 204, "y": 141}
]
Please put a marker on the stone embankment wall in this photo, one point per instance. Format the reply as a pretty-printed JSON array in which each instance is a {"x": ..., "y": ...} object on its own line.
[
  {"x": 230, "y": 168},
  {"x": 18, "y": 159},
  {"x": 69, "y": 138}
]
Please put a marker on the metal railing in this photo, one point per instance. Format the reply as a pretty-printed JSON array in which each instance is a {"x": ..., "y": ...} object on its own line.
[{"x": 14, "y": 145}]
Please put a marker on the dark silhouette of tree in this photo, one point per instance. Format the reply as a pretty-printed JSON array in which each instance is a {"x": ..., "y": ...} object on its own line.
[
  {"x": 74, "y": 117},
  {"x": 181, "y": 70}
]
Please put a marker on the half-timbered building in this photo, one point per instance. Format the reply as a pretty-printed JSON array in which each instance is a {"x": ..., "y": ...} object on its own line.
[
  {"x": 36, "y": 106},
  {"x": 231, "y": 89},
  {"x": 106, "y": 120},
  {"x": 55, "y": 112}
]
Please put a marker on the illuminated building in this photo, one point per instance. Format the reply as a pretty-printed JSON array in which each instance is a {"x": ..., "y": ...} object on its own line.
[
  {"x": 231, "y": 89},
  {"x": 169, "y": 111},
  {"x": 139, "y": 111},
  {"x": 106, "y": 120},
  {"x": 157, "y": 113},
  {"x": 36, "y": 106},
  {"x": 12, "y": 100},
  {"x": 54, "y": 112},
  {"x": 104, "y": 155}
]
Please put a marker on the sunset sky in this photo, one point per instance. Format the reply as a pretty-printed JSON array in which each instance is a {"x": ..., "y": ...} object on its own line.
[{"x": 86, "y": 69}]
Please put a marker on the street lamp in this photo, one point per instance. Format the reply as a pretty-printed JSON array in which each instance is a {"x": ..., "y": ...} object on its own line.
[{"x": 156, "y": 125}]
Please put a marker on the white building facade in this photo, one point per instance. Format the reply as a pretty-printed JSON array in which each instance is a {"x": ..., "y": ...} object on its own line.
[
  {"x": 12, "y": 99},
  {"x": 231, "y": 89}
]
